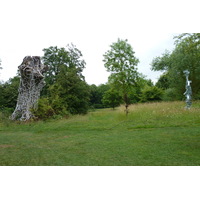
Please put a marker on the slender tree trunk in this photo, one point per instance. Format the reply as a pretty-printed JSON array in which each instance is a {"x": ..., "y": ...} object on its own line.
[{"x": 126, "y": 100}]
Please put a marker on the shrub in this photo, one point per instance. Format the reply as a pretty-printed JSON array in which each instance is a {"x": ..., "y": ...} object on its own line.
[
  {"x": 112, "y": 98},
  {"x": 151, "y": 94},
  {"x": 171, "y": 94},
  {"x": 48, "y": 108},
  {"x": 44, "y": 110}
]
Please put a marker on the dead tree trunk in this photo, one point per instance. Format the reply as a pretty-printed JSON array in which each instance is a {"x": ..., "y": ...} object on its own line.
[{"x": 31, "y": 84}]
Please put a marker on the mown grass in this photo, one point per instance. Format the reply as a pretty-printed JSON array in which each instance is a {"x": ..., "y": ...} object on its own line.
[{"x": 153, "y": 134}]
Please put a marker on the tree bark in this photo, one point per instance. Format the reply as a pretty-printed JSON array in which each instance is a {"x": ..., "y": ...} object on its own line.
[{"x": 31, "y": 84}]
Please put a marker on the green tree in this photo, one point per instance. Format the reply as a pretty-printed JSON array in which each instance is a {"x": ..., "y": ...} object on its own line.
[
  {"x": 112, "y": 98},
  {"x": 121, "y": 62},
  {"x": 96, "y": 95},
  {"x": 163, "y": 82},
  {"x": 185, "y": 56},
  {"x": 74, "y": 91},
  {"x": 65, "y": 75},
  {"x": 57, "y": 58},
  {"x": 9, "y": 93}
]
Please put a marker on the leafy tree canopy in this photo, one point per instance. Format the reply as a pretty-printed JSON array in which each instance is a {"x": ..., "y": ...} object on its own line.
[
  {"x": 56, "y": 58},
  {"x": 66, "y": 87},
  {"x": 121, "y": 62},
  {"x": 163, "y": 81},
  {"x": 9, "y": 93},
  {"x": 185, "y": 56}
]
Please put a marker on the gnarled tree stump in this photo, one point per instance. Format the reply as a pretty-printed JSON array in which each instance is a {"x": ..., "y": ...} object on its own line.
[{"x": 31, "y": 84}]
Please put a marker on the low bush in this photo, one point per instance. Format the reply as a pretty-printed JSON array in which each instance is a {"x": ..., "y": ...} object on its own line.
[
  {"x": 151, "y": 93},
  {"x": 44, "y": 109}
]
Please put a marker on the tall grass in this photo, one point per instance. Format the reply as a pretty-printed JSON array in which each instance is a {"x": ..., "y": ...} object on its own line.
[{"x": 165, "y": 114}]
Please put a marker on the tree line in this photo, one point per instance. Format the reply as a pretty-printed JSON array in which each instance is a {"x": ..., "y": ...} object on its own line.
[
  {"x": 66, "y": 91},
  {"x": 185, "y": 56}
]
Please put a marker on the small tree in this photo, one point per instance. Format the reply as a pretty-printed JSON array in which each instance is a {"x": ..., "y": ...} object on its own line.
[
  {"x": 121, "y": 62},
  {"x": 112, "y": 98}
]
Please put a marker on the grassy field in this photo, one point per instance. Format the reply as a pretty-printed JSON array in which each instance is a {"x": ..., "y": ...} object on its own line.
[{"x": 156, "y": 134}]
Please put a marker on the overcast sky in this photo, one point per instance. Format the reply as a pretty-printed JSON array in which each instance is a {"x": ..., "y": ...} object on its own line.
[{"x": 27, "y": 27}]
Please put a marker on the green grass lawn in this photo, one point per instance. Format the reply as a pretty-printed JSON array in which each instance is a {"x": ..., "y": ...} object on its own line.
[{"x": 156, "y": 134}]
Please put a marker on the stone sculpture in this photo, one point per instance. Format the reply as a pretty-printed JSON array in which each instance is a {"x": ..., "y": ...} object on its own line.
[
  {"x": 31, "y": 84},
  {"x": 188, "y": 92}
]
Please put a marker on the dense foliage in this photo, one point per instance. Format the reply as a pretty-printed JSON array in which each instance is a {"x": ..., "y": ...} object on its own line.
[
  {"x": 96, "y": 95},
  {"x": 66, "y": 88},
  {"x": 150, "y": 94},
  {"x": 185, "y": 56},
  {"x": 9, "y": 93},
  {"x": 112, "y": 98}
]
